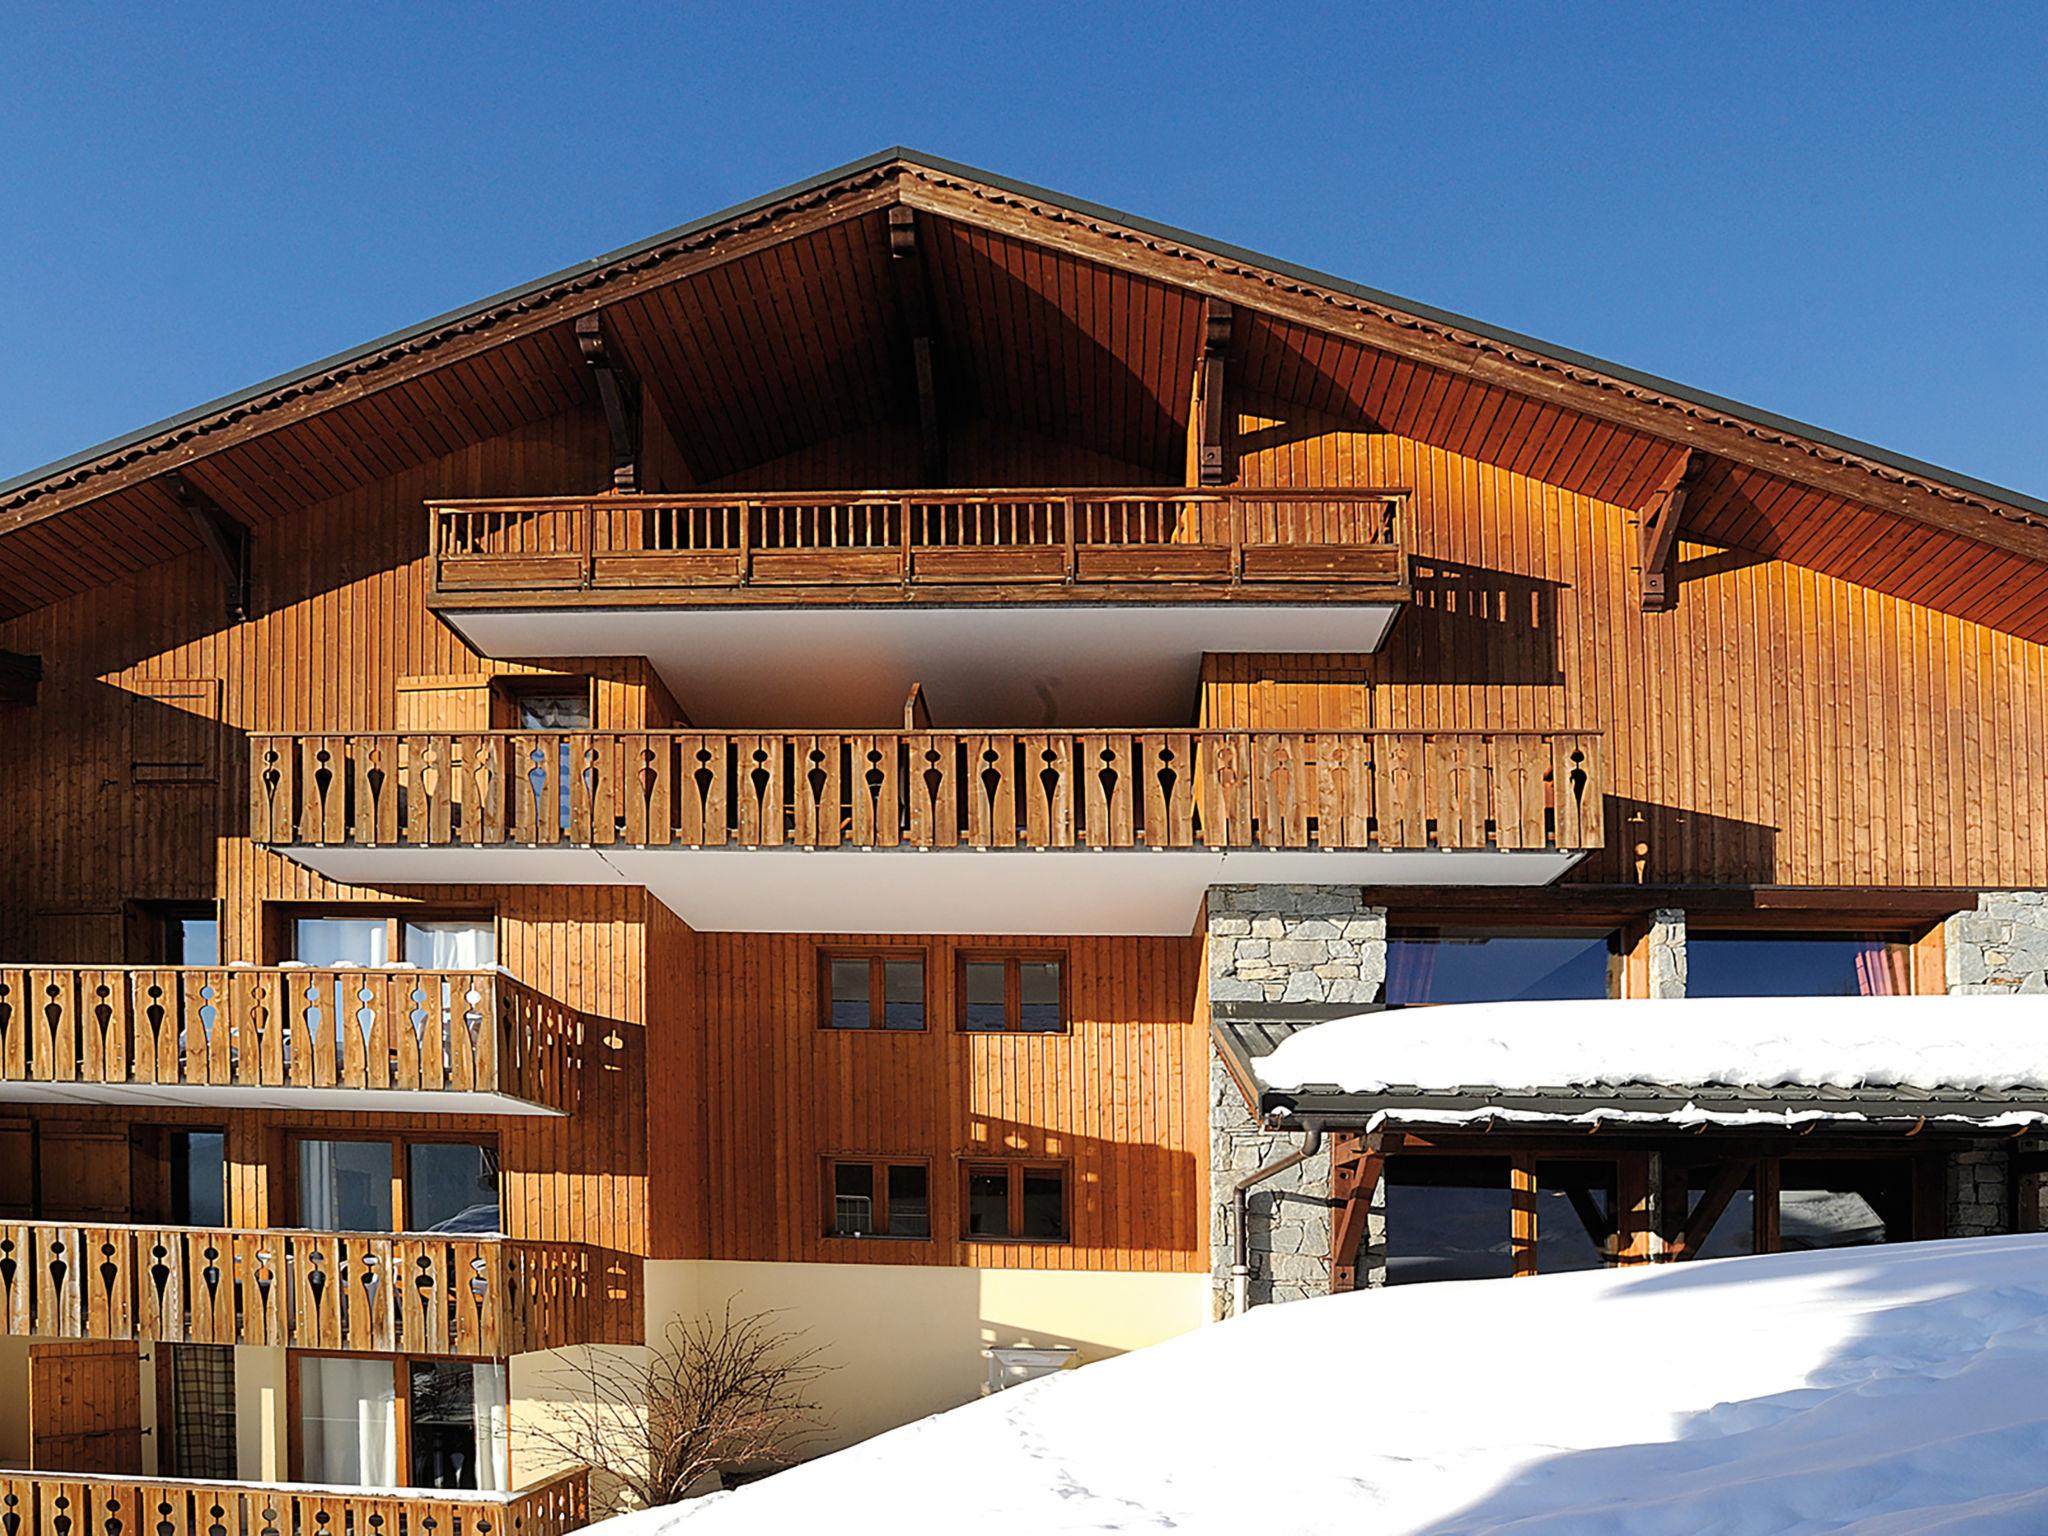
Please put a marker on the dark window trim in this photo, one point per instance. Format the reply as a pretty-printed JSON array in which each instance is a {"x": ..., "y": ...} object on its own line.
[
  {"x": 877, "y": 956},
  {"x": 401, "y": 1173},
  {"x": 879, "y": 1165},
  {"x": 401, "y": 1370},
  {"x": 1013, "y": 988},
  {"x": 1013, "y": 1170}
]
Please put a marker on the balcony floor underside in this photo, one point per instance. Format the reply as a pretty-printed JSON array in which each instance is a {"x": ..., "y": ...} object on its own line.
[
  {"x": 1113, "y": 891},
  {"x": 844, "y": 667},
  {"x": 341, "y": 1100}
]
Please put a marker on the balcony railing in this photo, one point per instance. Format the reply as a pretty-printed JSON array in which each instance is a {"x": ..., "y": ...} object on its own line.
[
  {"x": 919, "y": 545},
  {"x": 422, "y": 1293},
  {"x": 244, "y": 1027},
  {"x": 68, "y": 1504},
  {"x": 1500, "y": 790}
]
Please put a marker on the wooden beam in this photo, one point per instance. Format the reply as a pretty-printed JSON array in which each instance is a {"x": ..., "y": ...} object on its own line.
[
  {"x": 19, "y": 676},
  {"x": 1522, "y": 1214},
  {"x": 1210, "y": 423},
  {"x": 1356, "y": 1163},
  {"x": 913, "y": 294},
  {"x": 1660, "y": 531},
  {"x": 225, "y": 537},
  {"x": 619, "y": 388},
  {"x": 1690, "y": 1231}
]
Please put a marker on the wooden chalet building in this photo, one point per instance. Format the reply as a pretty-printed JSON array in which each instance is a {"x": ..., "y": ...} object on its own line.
[{"x": 812, "y": 758}]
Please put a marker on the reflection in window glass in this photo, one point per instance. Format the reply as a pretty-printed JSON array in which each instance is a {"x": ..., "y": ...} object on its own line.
[
  {"x": 1438, "y": 965},
  {"x": 191, "y": 941},
  {"x": 1735, "y": 1233},
  {"x": 853, "y": 1199},
  {"x": 988, "y": 1203},
  {"x": 1045, "y": 1204},
  {"x": 910, "y": 1211},
  {"x": 1795, "y": 965},
  {"x": 1039, "y": 982},
  {"x": 199, "y": 1184},
  {"x": 452, "y": 1187},
  {"x": 458, "y": 1425},
  {"x": 1448, "y": 1218},
  {"x": 1844, "y": 1202},
  {"x": 903, "y": 994},
  {"x": 348, "y": 1421},
  {"x": 568, "y": 710},
  {"x": 1574, "y": 1215},
  {"x": 984, "y": 982},
  {"x": 1827, "y": 1218},
  {"x": 850, "y": 1004},
  {"x": 342, "y": 940},
  {"x": 345, "y": 1186}
]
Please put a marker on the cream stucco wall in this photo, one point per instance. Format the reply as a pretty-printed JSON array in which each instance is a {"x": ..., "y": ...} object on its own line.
[
  {"x": 261, "y": 1434},
  {"x": 13, "y": 1402}
]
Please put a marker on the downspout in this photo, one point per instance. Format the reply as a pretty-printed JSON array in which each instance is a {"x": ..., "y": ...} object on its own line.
[{"x": 1240, "y": 1238}]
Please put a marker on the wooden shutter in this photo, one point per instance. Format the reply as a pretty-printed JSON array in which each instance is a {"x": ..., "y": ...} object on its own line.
[
  {"x": 84, "y": 1172},
  {"x": 85, "y": 1408},
  {"x": 174, "y": 731}
]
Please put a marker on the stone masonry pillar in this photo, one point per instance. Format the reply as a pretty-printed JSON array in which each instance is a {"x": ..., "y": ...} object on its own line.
[{"x": 1998, "y": 949}]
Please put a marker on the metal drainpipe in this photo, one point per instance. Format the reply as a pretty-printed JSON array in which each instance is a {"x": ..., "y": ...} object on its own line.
[{"x": 1240, "y": 1239}]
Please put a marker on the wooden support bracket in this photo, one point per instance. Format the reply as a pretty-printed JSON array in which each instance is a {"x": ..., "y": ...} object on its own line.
[
  {"x": 1660, "y": 531},
  {"x": 1211, "y": 425},
  {"x": 223, "y": 535},
  {"x": 619, "y": 390},
  {"x": 1356, "y": 1163},
  {"x": 913, "y": 292}
]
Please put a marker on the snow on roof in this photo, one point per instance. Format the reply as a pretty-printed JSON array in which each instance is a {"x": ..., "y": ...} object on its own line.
[
  {"x": 1871, "y": 1390},
  {"x": 1959, "y": 1044}
]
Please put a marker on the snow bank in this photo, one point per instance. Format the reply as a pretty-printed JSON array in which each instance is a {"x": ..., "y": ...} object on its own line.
[
  {"x": 1874, "y": 1390},
  {"x": 1958, "y": 1043}
]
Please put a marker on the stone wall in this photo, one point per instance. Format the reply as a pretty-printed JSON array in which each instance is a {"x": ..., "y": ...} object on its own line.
[
  {"x": 1979, "y": 1202},
  {"x": 1295, "y": 944},
  {"x": 1289, "y": 1216},
  {"x": 2000, "y": 947},
  {"x": 1667, "y": 952}
]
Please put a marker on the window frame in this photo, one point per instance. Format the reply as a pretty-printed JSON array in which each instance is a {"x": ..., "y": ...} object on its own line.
[
  {"x": 281, "y": 923},
  {"x": 1013, "y": 989},
  {"x": 878, "y": 1165},
  {"x": 401, "y": 1173},
  {"x": 508, "y": 690},
  {"x": 1907, "y": 944},
  {"x": 1417, "y": 926},
  {"x": 401, "y": 1369},
  {"x": 1013, "y": 1170},
  {"x": 877, "y": 958}
]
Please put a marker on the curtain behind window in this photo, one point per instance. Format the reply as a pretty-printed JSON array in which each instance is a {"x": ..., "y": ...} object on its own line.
[
  {"x": 348, "y": 1421},
  {"x": 202, "y": 1427},
  {"x": 1883, "y": 969},
  {"x": 451, "y": 946}
]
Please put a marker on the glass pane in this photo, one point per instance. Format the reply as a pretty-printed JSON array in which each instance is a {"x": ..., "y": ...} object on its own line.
[
  {"x": 1040, "y": 983},
  {"x": 1447, "y": 1219},
  {"x": 458, "y": 1415},
  {"x": 1793, "y": 965},
  {"x": 342, "y": 941},
  {"x": 1045, "y": 1205},
  {"x": 1574, "y": 1216},
  {"x": 984, "y": 994},
  {"x": 467, "y": 945},
  {"x": 910, "y": 1212},
  {"x": 345, "y": 1186},
  {"x": 1446, "y": 966},
  {"x": 1735, "y": 1233},
  {"x": 564, "y": 711},
  {"x": 853, "y": 1199},
  {"x": 199, "y": 1179},
  {"x": 453, "y": 1187},
  {"x": 192, "y": 941},
  {"x": 988, "y": 1203},
  {"x": 849, "y": 994},
  {"x": 903, "y": 994},
  {"x": 348, "y": 1421},
  {"x": 1844, "y": 1202}
]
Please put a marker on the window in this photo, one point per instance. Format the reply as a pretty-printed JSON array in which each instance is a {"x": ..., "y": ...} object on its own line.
[
  {"x": 549, "y": 708},
  {"x": 1021, "y": 993},
  {"x": 1843, "y": 1202},
  {"x": 196, "y": 1410},
  {"x": 878, "y": 1199},
  {"x": 386, "y": 1422},
  {"x": 423, "y": 939},
  {"x": 1448, "y": 1218},
  {"x": 1748, "y": 964},
  {"x": 196, "y": 1163},
  {"x": 1576, "y": 1202},
  {"x": 361, "y": 1185},
  {"x": 1014, "y": 1200},
  {"x": 1456, "y": 965},
  {"x": 872, "y": 991},
  {"x": 173, "y": 933}
]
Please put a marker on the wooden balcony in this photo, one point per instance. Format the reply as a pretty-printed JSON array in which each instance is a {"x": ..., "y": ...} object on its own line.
[
  {"x": 410, "y": 1041},
  {"x": 421, "y": 1293},
  {"x": 50, "y": 1503},
  {"x": 1156, "y": 813},
  {"x": 932, "y": 789},
  {"x": 896, "y": 547}
]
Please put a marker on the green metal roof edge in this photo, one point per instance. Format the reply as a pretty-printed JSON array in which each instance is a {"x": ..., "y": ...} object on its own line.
[{"x": 903, "y": 154}]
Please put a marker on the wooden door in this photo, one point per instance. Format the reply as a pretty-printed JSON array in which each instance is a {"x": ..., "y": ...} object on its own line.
[
  {"x": 83, "y": 1172},
  {"x": 85, "y": 1408}
]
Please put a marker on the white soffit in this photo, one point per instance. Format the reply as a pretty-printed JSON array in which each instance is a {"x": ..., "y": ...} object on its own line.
[
  {"x": 373, "y": 1101},
  {"x": 955, "y": 890},
  {"x": 1022, "y": 667}
]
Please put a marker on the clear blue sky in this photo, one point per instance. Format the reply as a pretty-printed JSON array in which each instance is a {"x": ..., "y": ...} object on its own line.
[{"x": 1840, "y": 214}]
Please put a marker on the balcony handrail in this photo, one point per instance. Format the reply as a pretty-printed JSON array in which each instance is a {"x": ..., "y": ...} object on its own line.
[
  {"x": 486, "y": 1296},
  {"x": 1219, "y": 789},
  {"x": 456, "y": 1031},
  {"x": 102, "y": 1504}
]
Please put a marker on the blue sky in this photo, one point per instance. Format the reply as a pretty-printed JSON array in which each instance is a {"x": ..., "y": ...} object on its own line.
[{"x": 1840, "y": 214}]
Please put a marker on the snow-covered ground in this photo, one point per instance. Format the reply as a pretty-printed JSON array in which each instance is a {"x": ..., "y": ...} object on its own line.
[{"x": 1874, "y": 1390}]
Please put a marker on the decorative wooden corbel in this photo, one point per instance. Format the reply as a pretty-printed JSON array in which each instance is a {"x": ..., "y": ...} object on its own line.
[
  {"x": 1212, "y": 427},
  {"x": 227, "y": 538},
  {"x": 913, "y": 294},
  {"x": 1660, "y": 531},
  {"x": 619, "y": 390}
]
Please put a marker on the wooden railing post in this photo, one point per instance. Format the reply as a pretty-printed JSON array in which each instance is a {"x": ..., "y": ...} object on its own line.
[{"x": 1072, "y": 565}]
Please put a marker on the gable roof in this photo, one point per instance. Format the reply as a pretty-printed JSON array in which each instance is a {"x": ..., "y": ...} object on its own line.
[{"x": 478, "y": 349}]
